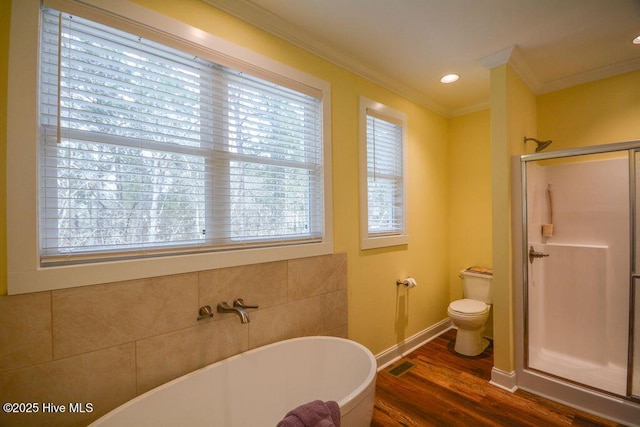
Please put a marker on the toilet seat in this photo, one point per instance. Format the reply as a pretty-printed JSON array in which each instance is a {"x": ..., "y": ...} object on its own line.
[{"x": 468, "y": 307}]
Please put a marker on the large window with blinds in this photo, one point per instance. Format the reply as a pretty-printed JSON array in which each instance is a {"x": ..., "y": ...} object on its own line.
[
  {"x": 383, "y": 175},
  {"x": 148, "y": 150}
]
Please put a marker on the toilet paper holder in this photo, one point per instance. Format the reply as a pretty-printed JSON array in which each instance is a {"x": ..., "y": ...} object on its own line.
[{"x": 409, "y": 282}]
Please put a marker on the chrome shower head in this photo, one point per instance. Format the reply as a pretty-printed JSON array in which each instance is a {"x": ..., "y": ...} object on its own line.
[{"x": 541, "y": 144}]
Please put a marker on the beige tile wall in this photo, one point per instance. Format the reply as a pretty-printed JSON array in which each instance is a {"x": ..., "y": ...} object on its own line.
[{"x": 105, "y": 344}]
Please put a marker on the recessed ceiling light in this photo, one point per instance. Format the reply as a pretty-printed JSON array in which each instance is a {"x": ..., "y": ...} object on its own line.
[
  {"x": 636, "y": 40},
  {"x": 449, "y": 78}
]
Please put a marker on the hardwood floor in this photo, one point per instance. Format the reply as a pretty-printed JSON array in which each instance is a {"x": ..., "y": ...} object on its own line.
[{"x": 447, "y": 389}]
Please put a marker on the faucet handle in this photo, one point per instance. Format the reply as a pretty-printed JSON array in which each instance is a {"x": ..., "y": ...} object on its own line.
[
  {"x": 240, "y": 303},
  {"x": 204, "y": 312}
]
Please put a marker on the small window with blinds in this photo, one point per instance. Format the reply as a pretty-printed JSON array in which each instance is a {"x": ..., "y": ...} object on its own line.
[
  {"x": 383, "y": 175},
  {"x": 146, "y": 150}
]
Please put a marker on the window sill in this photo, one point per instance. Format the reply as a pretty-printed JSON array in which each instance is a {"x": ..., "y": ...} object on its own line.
[
  {"x": 68, "y": 276},
  {"x": 383, "y": 241}
]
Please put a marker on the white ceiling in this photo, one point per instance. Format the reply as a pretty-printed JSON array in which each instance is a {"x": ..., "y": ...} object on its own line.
[{"x": 407, "y": 45}]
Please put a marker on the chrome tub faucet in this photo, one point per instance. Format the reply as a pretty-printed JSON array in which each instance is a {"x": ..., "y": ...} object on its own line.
[{"x": 239, "y": 307}]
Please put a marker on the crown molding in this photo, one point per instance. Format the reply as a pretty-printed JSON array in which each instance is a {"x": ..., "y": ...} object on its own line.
[
  {"x": 498, "y": 58},
  {"x": 513, "y": 56},
  {"x": 590, "y": 76},
  {"x": 469, "y": 109},
  {"x": 298, "y": 36}
]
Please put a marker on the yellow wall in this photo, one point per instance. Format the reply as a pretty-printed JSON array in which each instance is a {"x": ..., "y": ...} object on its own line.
[
  {"x": 469, "y": 184},
  {"x": 513, "y": 115},
  {"x": 595, "y": 113},
  {"x": 379, "y": 311}
]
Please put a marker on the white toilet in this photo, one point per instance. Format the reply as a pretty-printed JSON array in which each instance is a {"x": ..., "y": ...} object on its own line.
[{"x": 470, "y": 314}]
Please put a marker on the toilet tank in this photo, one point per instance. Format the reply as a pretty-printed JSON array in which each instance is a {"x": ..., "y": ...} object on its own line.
[{"x": 476, "y": 285}]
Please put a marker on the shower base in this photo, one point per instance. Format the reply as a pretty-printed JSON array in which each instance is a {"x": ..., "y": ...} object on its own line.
[{"x": 607, "y": 377}]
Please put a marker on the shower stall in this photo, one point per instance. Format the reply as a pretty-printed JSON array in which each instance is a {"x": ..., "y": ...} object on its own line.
[{"x": 577, "y": 277}]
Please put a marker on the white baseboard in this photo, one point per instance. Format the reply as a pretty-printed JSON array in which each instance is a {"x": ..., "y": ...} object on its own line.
[
  {"x": 387, "y": 357},
  {"x": 504, "y": 380}
]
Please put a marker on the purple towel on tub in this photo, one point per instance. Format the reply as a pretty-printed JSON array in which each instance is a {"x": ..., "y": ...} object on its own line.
[{"x": 313, "y": 414}]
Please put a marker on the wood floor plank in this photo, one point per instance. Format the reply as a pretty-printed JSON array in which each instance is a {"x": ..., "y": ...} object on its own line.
[{"x": 447, "y": 389}]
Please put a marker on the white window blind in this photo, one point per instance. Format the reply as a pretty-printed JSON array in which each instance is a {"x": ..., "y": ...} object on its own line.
[
  {"x": 146, "y": 149},
  {"x": 385, "y": 182}
]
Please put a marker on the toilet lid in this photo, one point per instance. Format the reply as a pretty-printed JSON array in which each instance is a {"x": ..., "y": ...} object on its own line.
[{"x": 468, "y": 306}]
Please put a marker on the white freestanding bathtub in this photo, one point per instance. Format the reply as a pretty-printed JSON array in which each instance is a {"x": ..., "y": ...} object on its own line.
[{"x": 258, "y": 387}]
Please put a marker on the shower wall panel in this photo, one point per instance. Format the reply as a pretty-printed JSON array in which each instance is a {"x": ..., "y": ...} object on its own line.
[
  {"x": 578, "y": 295},
  {"x": 571, "y": 298}
]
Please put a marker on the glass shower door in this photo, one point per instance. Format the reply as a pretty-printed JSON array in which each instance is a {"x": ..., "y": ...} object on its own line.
[
  {"x": 634, "y": 351},
  {"x": 635, "y": 354},
  {"x": 578, "y": 264}
]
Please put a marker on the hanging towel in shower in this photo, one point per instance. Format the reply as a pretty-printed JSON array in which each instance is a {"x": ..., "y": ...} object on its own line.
[{"x": 313, "y": 414}]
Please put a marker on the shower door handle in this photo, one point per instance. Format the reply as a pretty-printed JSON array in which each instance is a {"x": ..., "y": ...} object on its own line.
[{"x": 533, "y": 254}]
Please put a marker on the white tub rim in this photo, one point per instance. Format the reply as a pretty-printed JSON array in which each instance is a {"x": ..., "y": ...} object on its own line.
[{"x": 346, "y": 404}]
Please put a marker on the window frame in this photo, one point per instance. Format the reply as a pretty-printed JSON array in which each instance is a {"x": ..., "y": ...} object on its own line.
[
  {"x": 25, "y": 273},
  {"x": 382, "y": 240}
]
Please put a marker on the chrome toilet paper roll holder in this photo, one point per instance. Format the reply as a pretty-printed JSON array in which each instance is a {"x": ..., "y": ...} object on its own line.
[{"x": 408, "y": 282}]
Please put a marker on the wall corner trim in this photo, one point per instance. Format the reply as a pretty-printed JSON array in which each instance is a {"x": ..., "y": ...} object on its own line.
[
  {"x": 504, "y": 380},
  {"x": 513, "y": 55}
]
